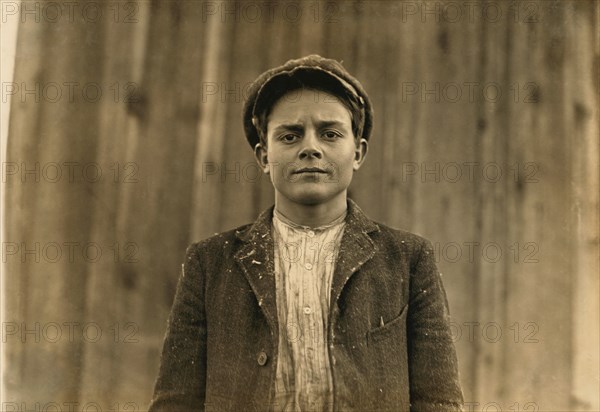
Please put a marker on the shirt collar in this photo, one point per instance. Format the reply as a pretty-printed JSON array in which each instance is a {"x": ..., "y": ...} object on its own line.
[
  {"x": 356, "y": 222},
  {"x": 280, "y": 217}
]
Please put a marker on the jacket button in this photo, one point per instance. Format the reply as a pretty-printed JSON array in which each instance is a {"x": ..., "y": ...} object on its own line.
[{"x": 262, "y": 359}]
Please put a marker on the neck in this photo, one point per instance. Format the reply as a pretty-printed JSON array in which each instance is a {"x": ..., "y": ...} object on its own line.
[{"x": 311, "y": 215}]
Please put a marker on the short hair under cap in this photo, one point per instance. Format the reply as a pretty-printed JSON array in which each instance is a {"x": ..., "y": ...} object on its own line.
[{"x": 313, "y": 62}]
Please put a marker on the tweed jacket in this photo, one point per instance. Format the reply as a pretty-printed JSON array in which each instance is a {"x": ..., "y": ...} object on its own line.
[{"x": 220, "y": 349}]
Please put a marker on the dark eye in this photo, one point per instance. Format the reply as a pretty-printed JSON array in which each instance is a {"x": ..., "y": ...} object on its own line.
[
  {"x": 331, "y": 135},
  {"x": 288, "y": 138}
]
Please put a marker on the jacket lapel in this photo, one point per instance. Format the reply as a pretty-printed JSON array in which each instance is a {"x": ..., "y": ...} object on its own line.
[
  {"x": 356, "y": 248},
  {"x": 256, "y": 260},
  {"x": 256, "y": 255}
]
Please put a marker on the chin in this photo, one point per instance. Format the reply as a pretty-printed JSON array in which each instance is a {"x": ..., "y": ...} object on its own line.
[
  {"x": 310, "y": 200},
  {"x": 312, "y": 196}
]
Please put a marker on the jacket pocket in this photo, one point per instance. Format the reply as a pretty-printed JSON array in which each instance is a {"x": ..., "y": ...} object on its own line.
[{"x": 396, "y": 326}]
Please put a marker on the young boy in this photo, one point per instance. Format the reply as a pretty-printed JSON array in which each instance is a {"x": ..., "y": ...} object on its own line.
[{"x": 314, "y": 307}]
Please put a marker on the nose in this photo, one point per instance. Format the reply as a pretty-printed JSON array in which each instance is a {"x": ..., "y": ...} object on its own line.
[{"x": 311, "y": 147}]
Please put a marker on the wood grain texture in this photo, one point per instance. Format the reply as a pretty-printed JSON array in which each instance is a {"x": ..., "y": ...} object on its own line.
[{"x": 518, "y": 251}]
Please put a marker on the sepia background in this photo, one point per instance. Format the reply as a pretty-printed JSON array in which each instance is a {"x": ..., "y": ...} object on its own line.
[{"x": 125, "y": 144}]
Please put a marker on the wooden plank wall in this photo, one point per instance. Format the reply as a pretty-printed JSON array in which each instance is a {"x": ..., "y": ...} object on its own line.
[{"x": 485, "y": 141}]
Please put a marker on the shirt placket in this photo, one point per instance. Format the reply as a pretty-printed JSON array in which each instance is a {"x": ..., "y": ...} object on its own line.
[{"x": 304, "y": 280}]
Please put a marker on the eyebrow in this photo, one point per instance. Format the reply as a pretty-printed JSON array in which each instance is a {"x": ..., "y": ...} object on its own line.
[
  {"x": 297, "y": 127},
  {"x": 328, "y": 123},
  {"x": 288, "y": 127}
]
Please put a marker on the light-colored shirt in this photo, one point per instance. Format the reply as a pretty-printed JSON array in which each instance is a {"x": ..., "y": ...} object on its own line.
[{"x": 304, "y": 265}]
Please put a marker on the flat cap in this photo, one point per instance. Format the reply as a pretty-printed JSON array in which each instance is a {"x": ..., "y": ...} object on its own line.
[{"x": 315, "y": 63}]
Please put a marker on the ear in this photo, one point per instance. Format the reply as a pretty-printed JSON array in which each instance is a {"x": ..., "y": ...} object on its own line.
[
  {"x": 360, "y": 153},
  {"x": 260, "y": 154}
]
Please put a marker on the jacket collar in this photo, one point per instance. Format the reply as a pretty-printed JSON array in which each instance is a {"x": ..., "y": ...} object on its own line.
[{"x": 256, "y": 257}]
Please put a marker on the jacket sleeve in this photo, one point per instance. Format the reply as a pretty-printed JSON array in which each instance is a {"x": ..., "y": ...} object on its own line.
[
  {"x": 180, "y": 385},
  {"x": 433, "y": 366}
]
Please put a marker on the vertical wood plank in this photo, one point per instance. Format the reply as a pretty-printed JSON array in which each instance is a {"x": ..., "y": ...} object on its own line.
[
  {"x": 47, "y": 131},
  {"x": 104, "y": 357},
  {"x": 537, "y": 368},
  {"x": 581, "y": 106},
  {"x": 210, "y": 129}
]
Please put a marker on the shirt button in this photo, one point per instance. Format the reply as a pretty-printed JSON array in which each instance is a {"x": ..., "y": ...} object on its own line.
[
  {"x": 307, "y": 310},
  {"x": 311, "y": 233},
  {"x": 262, "y": 359},
  {"x": 308, "y": 266}
]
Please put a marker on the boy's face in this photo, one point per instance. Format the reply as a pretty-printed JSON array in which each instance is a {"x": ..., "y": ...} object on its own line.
[{"x": 311, "y": 151}]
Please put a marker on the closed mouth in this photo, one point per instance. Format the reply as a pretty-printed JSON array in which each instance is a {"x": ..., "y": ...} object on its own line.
[{"x": 310, "y": 170}]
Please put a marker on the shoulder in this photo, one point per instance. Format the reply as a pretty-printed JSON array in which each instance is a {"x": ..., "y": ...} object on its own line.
[
  {"x": 393, "y": 241},
  {"x": 383, "y": 235},
  {"x": 218, "y": 243},
  {"x": 402, "y": 236}
]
